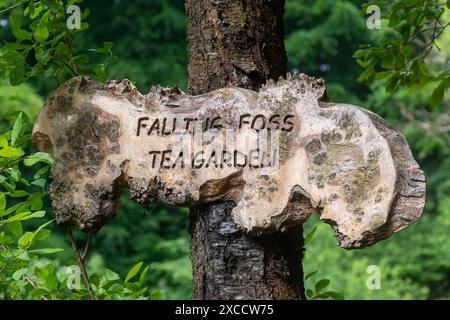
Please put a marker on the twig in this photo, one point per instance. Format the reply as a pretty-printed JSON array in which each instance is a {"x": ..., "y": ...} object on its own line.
[
  {"x": 8, "y": 165},
  {"x": 16, "y": 5},
  {"x": 69, "y": 50},
  {"x": 80, "y": 260},
  {"x": 74, "y": 72},
  {"x": 86, "y": 248},
  {"x": 12, "y": 7},
  {"x": 14, "y": 257},
  {"x": 34, "y": 285}
]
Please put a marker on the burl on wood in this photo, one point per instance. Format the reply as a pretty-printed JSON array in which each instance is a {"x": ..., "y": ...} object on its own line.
[{"x": 340, "y": 160}]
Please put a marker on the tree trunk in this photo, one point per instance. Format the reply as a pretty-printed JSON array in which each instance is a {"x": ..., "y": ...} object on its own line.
[{"x": 238, "y": 43}]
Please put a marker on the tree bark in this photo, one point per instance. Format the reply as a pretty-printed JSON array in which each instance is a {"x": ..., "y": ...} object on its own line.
[{"x": 238, "y": 43}]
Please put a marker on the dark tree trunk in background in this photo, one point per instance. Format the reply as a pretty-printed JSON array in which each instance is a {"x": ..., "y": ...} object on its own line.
[{"x": 238, "y": 43}]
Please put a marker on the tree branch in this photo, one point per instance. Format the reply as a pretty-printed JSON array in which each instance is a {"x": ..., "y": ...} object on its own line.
[
  {"x": 86, "y": 248},
  {"x": 80, "y": 260},
  {"x": 15, "y": 6}
]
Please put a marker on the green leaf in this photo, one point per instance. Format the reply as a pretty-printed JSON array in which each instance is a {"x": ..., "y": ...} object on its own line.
[
  {"x": 43, "y": 226},
  {"x": 15, "y": 173},
  {"x": 25, "y": 182},
  {"x": 19, "y": 207},
  {"x": 134, "y": 271},
  {"x": 322, "y": 284},
  {"x": 19, "y": 194},
  {"x": 309, "y": 293},
  {"x": 309, "y": 275},
  {"x": 40, "y": 183},
  {"x": 41, "y": 33},
  {"x": 2, "y": 203},
  {"x": 3, "y": 141},
  {"x": 26, "y": 239},
  {"x": 9, "y": 152},
  {"x": 111, "y": 275},
  {"x": 25, "y": 216},
  {"x": 370, "y": 70},
  {"x": 15, "y": 228},
  {"x": 382, "y": 75},
  {"x": 310, "y": 235},
  {"x": 320, "y": 296},
  {"x": 399, "y": 60},
  {"x": 335, "y": 295},
  {"x": 37, "y": 214},
  {"x": 155, "y": 295},
  {"x": 438, "y": 94},
  {"x": 46, "y": 251},
  {"x": 18, "y": 217},
  {"x": 392, "y": 83},
  {"x": 16, "y": 129},
  {"x": 42, "y": 234},
  {"x": 8, "y": 186},
  {"x": 15, "y": 21},
  {"x": 37, "y": 157},
  {"x": 359, "y": 54},
  {"x": 35, "y": 201},
  {"x": 41, "y": 171},
  {"x": 388, "y": 61},
  {"x": 35, "y": 10},
  {"x": 44, "y": 271},
  {"x": 143, "y": 275}
]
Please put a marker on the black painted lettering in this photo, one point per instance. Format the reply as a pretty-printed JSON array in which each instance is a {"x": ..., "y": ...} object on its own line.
[
  {"x": 212, "y": 159},
  {"x": 273, "y": 120},
  {"x": 254, "y": 156},
  {"x": 214, "y": 124},
  {"x": 141, "y": 124},
  {"x": 154, "y": 154},
  {"x": 287, "y": 121},
  {"x": 179, "y": 160},
  {"x": 155, "y": 126},
  {"x": 263, "y": 122},
  {"x": 243, "y": 121},
  {"x": 195, "y": 161},
  {"x": 188, "y": 123},
  {"x": 227, "y": 158},
  {"x": 165, "y": 158},
  {"x": 243, "y": 158}
]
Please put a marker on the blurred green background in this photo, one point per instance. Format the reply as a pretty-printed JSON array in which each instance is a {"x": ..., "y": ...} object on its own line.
[{"x": 321, "y": 37}]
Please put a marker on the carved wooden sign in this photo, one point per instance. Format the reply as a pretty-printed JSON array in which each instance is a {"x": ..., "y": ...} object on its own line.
[{"x": 280, "y": 154}]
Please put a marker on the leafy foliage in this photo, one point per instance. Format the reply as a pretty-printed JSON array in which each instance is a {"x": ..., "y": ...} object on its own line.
[
  {"x": 45, "y": 47},
  {"x": 414, "y": 263},
  {"x": 26, "y": 269},
  {"x": 321, "y": 37},
  {"x": 318, "y": 290},
  {"x": 148, "y": 36},
  {"x": 15, "y": 99},
  {"x": 402, "y": 55}
]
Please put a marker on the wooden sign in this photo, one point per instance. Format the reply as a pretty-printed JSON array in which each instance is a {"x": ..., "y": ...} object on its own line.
[{"x": 280, "y": 154}]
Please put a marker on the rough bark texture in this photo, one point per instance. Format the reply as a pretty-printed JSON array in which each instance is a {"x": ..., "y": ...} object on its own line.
[
  {"x": 238, "y": 43},
  {"x": 228, "y": 264}
]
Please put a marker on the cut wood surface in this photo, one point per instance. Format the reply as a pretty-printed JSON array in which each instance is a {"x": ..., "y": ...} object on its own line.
[{"x": 339, "y": 160}]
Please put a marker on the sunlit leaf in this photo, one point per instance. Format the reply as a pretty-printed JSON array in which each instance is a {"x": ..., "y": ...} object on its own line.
[
  {"x": 133, "y": 271},
  {"x": 322, "y": 284},
  {"x": 16, "y": 129},
  {"x": 46, "y": 251}
]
